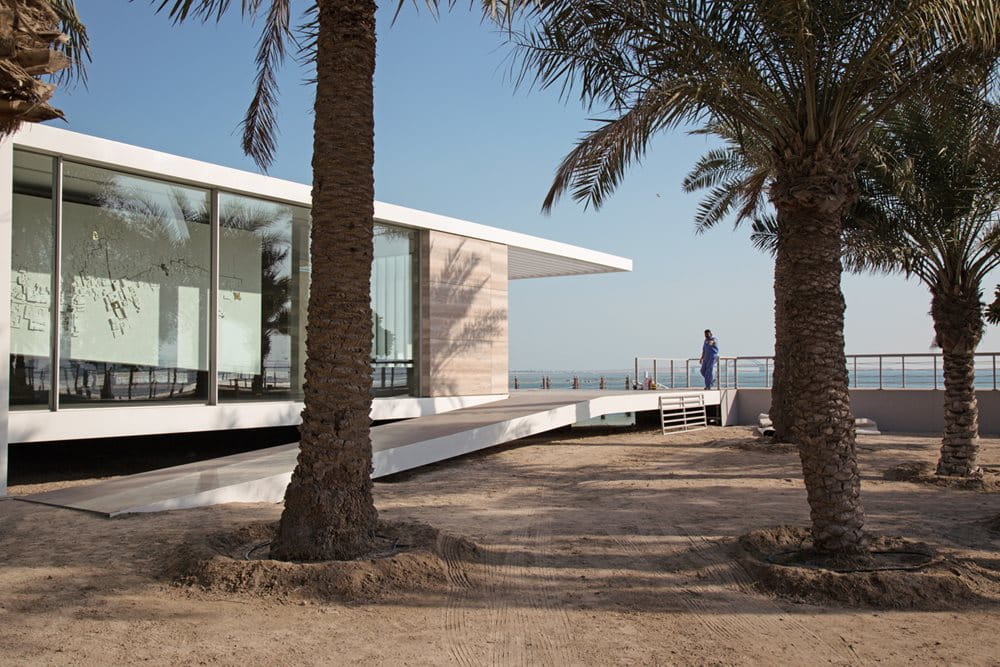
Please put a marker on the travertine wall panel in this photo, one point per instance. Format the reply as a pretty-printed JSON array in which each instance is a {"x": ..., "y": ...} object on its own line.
[{"x": 463, "y": 316}]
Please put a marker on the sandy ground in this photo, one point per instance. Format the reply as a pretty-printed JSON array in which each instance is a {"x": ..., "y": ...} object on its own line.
[{"x": 615, "y": 550}]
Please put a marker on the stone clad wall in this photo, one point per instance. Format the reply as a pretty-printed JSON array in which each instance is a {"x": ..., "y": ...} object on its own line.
[{"x": 463, "y": 316}]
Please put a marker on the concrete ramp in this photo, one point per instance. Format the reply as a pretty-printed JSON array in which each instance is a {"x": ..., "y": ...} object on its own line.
[{"x": 262, "y": 475}]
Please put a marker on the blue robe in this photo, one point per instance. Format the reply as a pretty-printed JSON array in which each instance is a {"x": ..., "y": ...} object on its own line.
[{"x": 709, "y": 355}]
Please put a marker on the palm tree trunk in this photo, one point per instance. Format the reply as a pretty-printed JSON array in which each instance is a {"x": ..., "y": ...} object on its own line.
[
  {"x": 777, "y": 412},
  {"x": 329, "y": 513},
  {"x": 810, "y": 201},
  {"x": 958, "y": 322}
]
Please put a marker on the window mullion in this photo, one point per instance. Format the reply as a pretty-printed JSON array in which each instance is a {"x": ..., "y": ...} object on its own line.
[
  {"x": 213, "y": 305},
  {"x": 56, "y": 288}
]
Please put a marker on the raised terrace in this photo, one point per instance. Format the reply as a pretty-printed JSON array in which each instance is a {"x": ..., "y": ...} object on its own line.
[{"x": 262, "y": 476}]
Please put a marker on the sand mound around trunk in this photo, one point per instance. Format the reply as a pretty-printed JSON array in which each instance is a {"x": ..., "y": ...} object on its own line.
[
  {"x": 408, "y": 557},
  {"x": 897, "y": 574},
  {"x": 922, "y": 472}
]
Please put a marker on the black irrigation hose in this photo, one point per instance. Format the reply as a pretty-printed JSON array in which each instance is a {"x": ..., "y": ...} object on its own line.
[
  {"x": 250, "y": 553},
  {"x": 772, "y": 560}
]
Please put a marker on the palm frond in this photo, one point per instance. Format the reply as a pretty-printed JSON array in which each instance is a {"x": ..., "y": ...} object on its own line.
[
  {"x": 260, "y": 127},
  {"x": 77, "y": 44},
  {"x": 596, "y": 166},
  {"x": 259, "y": 137},
  {"x": 765, "y": 234},
  {"x": 737, "y": 176},
  {"x": 713, "y": 168},
  {"x": 993, "y": 311},
  {"x": 794, "y": 74},
  {"x": 717, "y": 205}
]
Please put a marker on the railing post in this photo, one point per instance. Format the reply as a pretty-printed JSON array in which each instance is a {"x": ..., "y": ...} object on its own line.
[
  {"x": 935, "y": 372},
  {"x": 880, "y": 371},
  {"x": 994, "y": 372},
  {"x": 856, "y": 383},
  {"x": 902, "y": 365},
  {"x": 687, "y": 373},
  {"x": 637, "y": 371},
  {"x": 671, "y": 373},
  {"x": 767, "y": 372},
  {"x": 736, "y": 373},
  {"x": 655, "y": 378}
]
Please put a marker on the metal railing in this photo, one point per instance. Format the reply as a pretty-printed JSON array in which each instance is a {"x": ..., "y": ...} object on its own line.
[
  {"x": 392, "y": 377},
  {"x": 81, "y": 382},
  {"x": 865, "y": 371}
]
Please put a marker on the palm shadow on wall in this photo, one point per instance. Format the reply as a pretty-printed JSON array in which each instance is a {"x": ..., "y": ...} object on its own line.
[{"x": 471, "y": 326}]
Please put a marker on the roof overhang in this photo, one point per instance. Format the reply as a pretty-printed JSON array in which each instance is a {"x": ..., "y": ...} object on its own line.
[{"x": 528, "y": 256}]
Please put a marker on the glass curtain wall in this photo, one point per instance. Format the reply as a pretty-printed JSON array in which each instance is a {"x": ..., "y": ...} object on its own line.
[
  {"x": 393, "y": 287},
  {"x": 135, "y": 291},
  {"x": 136, "y": 274},
  {"x": 31, "y": 281},
  {"x": 263, "y": 294}
]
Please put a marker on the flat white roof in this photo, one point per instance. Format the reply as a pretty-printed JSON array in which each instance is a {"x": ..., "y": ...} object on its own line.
[{"x": 528, "y": 256}]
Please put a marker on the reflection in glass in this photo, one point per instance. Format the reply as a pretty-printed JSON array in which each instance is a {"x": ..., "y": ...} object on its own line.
[
  {"x": 263, "y": 283},
  {"x": 134, "y": 286},
  {"x": 31, "y": 281},
  {"x": 393, "y": 274}
]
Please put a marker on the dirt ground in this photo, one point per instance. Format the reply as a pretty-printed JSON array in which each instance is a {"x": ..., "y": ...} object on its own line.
[{"x": 613, "y": 548}]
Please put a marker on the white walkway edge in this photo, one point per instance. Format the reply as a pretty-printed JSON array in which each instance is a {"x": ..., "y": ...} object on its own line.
[{"x": 262, "y": 475}]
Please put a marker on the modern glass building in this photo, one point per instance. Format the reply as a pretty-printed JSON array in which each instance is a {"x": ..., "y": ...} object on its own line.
[
  {"x": 143, "y": 262},
  {"x": 149, "y": 293}
]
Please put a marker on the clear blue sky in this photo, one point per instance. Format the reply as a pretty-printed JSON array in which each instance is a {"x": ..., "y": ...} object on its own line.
[{"x": 452, "y": 136}]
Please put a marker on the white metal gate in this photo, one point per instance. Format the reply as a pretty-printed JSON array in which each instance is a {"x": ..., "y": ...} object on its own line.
[{"x": 683, "y": 412}]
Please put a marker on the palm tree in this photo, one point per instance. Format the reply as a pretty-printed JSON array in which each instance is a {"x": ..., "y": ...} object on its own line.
[
  {"x": 935, "y": 193},
  {"x": 329, "y": 513},
  {"x": 37, "y": 38},
  {"x": 928, "y": 207},
  {"x": 808, "y": 79}
]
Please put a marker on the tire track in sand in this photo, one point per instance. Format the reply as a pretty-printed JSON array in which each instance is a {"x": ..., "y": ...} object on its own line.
[
  {"x": 461, "y": 595},
  {"x": 508, "y": 621},
  {"x": 551, "y": 629},
  {"x": 519, "y": 597},
  {"x": 757, "y": 616},
  {"x": 758, "y": 613}
]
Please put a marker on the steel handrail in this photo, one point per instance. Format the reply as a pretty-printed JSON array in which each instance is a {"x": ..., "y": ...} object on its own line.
[{"x": 906, "y": 376}]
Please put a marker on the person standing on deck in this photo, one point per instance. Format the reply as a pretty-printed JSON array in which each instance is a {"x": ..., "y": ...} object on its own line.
[{"x": 709, "y": 355}]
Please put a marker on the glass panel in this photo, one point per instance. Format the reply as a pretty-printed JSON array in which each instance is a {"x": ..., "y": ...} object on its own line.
[
  {"x": 263, "y": 293},
  {"x": 135, "y": 284},
  {"x": 393, "y": 287},
  {"x": 31, "y": 281}
]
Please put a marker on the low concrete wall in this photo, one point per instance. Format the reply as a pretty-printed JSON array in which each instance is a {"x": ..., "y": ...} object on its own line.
[{"x": 899, "y": 410}]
